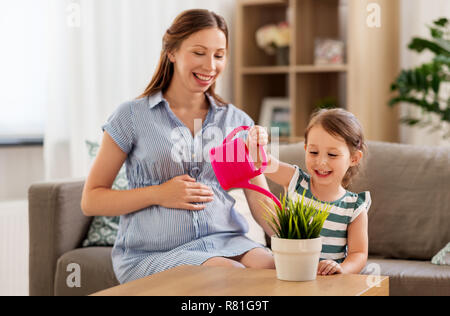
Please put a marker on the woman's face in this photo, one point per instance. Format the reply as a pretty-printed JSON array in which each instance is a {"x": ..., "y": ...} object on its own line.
[{"x": 200, "y": 59}]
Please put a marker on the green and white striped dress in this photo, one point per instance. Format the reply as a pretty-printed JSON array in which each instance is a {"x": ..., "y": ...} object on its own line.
[{"x": 343, "y": 212}]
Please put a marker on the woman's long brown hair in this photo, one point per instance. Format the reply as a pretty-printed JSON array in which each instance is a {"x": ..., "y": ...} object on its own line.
[{"x": 184, "y": 25}]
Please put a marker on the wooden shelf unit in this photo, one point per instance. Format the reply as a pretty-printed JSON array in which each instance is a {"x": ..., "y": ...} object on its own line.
[{"x": 256, "y": 75}]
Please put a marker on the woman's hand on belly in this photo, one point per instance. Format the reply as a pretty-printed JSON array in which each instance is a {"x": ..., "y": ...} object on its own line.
[{"x": 182, "y": 192}]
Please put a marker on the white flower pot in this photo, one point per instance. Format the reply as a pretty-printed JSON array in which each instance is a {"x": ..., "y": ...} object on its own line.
[{"x": 296, "y": 259}]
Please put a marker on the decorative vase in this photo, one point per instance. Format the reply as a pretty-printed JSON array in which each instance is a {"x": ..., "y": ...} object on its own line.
[
  {"x": 296, "y": 259},
  {"x": 282, "y": 56}
]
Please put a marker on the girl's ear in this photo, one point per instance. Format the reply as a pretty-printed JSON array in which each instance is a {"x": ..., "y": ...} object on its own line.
[{"x": 356, "y": 158}]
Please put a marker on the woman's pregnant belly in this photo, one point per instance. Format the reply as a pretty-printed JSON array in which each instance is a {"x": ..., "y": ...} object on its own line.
[{"x": 158, "y": 229}]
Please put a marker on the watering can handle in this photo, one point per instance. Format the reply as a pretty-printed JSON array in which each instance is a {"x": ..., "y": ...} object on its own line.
[
  {"x": 234, "y": 133},
  {"x": 262, "y": 151}
]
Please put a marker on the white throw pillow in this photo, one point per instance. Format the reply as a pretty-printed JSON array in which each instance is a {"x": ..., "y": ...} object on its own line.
[{"x": 255, "y": 232}]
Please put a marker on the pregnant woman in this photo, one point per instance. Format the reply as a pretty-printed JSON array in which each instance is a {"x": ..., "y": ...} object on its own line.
[{"x": 175, "y": 212}]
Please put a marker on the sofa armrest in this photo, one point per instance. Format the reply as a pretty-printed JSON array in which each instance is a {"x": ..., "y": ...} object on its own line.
[{"x": 56, "y": 225}]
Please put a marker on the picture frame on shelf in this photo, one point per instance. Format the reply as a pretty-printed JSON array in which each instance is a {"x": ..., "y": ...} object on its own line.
[
  {"x": 275, "y": 112},
  {"x": 329, "y": 51}
]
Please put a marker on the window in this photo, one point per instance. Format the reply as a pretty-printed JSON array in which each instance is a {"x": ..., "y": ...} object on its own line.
[{"x": 23, "y": 64}]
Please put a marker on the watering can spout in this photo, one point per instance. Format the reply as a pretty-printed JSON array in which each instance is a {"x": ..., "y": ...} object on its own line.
[
  {"x": 262, "y": 191},
  {"x": 233, "y": 166}
]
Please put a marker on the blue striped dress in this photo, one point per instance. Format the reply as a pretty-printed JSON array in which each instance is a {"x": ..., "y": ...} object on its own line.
[
  {"x": 343, "y": 212},
  {"x": 160, "y": 147}
]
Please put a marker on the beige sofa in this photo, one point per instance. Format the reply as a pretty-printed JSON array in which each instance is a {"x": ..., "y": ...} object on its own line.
[{"x": 409, "y": 222}]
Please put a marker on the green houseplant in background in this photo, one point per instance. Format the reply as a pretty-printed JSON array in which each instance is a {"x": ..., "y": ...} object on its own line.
[
  {"x": 297, "y": 244},
  {"x": 329, "y": 102},
  {"x": 423, "y": 86}
]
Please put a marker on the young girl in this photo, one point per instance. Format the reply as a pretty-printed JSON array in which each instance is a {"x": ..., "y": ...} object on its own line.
[
  {"x": 334, "y": 146},
  {"x": 175, "y": 212}
]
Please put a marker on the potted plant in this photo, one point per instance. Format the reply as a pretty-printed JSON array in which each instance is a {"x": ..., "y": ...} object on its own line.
[
  {"x": 424, "y": 86},
  {"x": 297, "y": 244}
]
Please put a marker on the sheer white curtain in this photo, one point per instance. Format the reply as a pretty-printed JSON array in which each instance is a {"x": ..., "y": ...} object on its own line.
[
  {"x": 22, "y": 74},
  {"x": 102, "y": 53},
  {"x": 416, "y": 15}
]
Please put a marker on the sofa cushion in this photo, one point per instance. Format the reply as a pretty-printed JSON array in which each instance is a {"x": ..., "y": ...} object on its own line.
[
  {"x": 410, "y": 277},
  {"x": 96, "y": 271},
  {"x": 409, "y": 217},
  {"x": 102, "y": 232}
]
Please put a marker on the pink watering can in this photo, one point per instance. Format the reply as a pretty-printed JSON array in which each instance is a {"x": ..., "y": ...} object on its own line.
[{"x": 234, "y": 167}]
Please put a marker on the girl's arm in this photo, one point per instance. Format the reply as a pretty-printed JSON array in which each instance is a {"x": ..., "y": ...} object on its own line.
[
  {"x": 357, "y": 241},
  {"x": 100, "y": 200},
  {"x": 279, "y": 172}
]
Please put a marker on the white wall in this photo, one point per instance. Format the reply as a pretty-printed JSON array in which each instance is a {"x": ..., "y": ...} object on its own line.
[{"x": 19, "y": 168}]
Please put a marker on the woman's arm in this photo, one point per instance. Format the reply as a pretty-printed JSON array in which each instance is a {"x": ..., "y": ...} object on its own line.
[
  {"x": 357, "y": 241},
  {"x": 100, "y": 200},
  {"x": 255, "y": 199}
]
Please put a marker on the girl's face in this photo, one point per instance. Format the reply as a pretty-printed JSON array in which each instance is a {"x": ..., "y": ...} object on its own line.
[
  {"x": 328, "y": 157},
  {"x": 200, "y": 59}
]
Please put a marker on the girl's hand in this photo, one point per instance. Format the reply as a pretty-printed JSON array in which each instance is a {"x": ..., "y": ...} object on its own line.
[
  {"x": 257, "y": 137},
  {"x": 182, "y": 192},
  {"x": 329, "y": 267}
]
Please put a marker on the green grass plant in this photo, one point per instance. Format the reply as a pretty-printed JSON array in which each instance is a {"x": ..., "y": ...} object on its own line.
[{"x": 297, "y": 219}]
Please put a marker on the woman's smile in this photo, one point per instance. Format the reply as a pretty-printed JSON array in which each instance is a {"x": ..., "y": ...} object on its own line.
[{"x": 203, "y": 80}]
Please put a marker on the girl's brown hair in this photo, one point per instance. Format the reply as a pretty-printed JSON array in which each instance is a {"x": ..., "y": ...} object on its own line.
[
  {"x": 339, "y": 122},
  {"x": 184, "y": 25}
]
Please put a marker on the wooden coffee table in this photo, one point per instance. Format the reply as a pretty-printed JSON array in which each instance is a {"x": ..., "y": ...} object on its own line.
[{"x": 220, "y": 281}]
